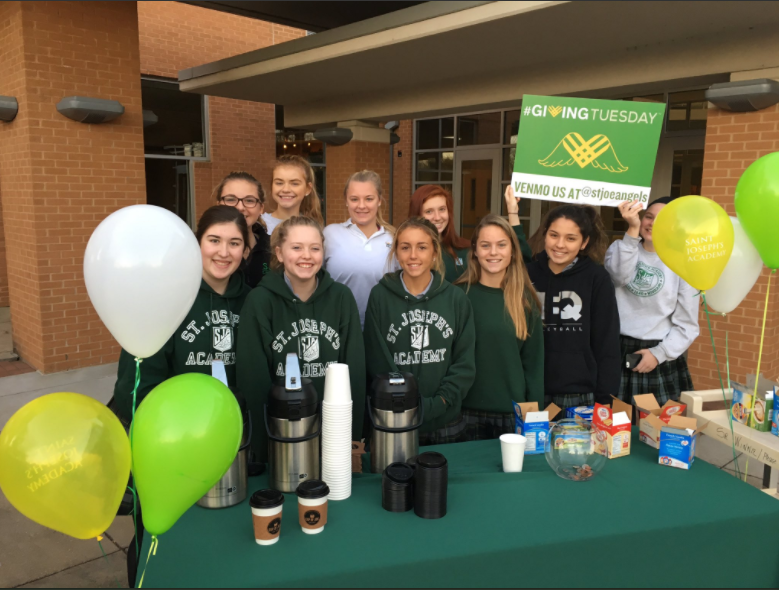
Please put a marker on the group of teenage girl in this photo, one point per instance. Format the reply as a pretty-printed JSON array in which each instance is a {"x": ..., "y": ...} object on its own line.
[{"x": 480, "y": 323}]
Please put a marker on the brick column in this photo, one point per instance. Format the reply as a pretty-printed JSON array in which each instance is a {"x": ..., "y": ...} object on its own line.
[
  {"x": 61, "y": 178},
  {"x": 343, "y": 161},
  {"x": 733, "y": 142}
]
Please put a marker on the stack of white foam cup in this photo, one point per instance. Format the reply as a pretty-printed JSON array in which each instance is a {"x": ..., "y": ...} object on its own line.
[{"x": 337, "y": 432}]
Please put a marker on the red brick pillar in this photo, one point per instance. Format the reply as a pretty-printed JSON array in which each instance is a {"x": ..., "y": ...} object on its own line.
[
  {"x": 61, "y": 178},
  {"x": 358, "y": 154},
  {"x": 733, "y": 142}
]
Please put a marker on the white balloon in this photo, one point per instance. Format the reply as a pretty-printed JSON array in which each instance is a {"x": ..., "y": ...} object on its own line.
[
  {"x": 142, "y": 268},
  {"x": 740, "y": 274}
]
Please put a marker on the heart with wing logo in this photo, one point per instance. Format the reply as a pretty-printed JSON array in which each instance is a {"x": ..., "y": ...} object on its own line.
[
  {"x": 574, "y": 149},
  {"x": 554, "y": 111}
]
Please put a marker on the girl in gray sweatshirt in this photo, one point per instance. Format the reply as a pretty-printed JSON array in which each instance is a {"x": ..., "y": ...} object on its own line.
[{"x": 658, "y": 311}]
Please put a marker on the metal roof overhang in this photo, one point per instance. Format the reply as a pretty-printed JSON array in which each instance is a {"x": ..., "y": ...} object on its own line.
[{"x": 444, "y": 57}]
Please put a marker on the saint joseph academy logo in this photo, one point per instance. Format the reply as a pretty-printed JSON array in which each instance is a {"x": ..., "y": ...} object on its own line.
[
  {"x": 314, "y": 340},
  {"x": 648, "y": 281},
  {"x": 420, "y": 324}
]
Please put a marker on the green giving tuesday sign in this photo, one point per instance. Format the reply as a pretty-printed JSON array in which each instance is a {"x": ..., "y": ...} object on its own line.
[{"x": 582, "y": 150}]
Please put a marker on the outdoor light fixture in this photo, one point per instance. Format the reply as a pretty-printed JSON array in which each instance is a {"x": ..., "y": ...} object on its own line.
[
  {"x": 744, "y": 96},
  {"x": 334, "y": 135},
  {"x": 83, "y": 109},
  {"x": 8, "y": 108},
  {"x": 149, "y": 118}
]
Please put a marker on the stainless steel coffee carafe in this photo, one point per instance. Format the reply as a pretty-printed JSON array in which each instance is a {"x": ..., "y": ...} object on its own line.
[
  {"x": 293, "y": 423},
  {"x": 231, "y": 488},
  {"x": 396, "y": 413}
]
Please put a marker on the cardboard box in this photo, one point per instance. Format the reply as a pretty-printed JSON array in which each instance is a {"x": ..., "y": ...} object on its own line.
[
  {"x": 583, "y": 412},
  {"x": 741, "y": 404},
  {"x": 762, "y": 410},
  {"x": 613, "y": 425},
  {"x": 775, "y": 413},
  {"x": 652, "y": 418},
  {"x": 677, "y": 442},
  {"x": 533, "y": 425}
]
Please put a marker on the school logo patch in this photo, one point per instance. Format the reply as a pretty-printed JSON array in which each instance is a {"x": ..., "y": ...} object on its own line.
[
  {"x": 223, "y": 338},
  {"x": 648, "y": 281},
  {"x": 309, "y": 348},
  {"x": 419, "y": 337}
]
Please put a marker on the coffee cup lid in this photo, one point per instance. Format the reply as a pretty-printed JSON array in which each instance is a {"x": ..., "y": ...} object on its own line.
[
  {"x": 399, "y": 472},
  {"x": 266, "y": 499},
  {"x": 312, "y": 489},
  {"x": 431, "y": 460}
]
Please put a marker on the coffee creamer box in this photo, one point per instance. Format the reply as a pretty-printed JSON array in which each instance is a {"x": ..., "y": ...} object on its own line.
[
  {"x": 533, "y": 425},
  {"x": 775, "y": 415},
  {"x": 613, "y": 426},
  {"x": 582, "y": 412},
  {"x": 741, "y": 405},
  {"x": 677, "y": 442},
  {"x": 652, "y": 418},
  {"x": 763, "y": 404}
]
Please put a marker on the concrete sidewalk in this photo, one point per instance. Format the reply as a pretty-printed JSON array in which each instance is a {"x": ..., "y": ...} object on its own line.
[
  {"x": 36, "y": 557},
  {"x": 33, "y": 556}
]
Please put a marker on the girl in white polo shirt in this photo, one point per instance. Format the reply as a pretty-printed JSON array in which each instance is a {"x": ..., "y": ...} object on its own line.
[{"x": 357, "y": 249}]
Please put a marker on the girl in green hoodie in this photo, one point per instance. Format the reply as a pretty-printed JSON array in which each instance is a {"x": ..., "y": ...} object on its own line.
[
  {"x": 509, "y": 334},
  {"x": 298, "y": 308},
  {"x": 418, "y": 323},
  {"x": 208, "y": 331}
]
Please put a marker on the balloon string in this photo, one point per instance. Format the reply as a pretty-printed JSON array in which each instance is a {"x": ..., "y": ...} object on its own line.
[
  {"x": 99, "y": 539},
  {"x": 730, "y": 414},
  {"x": 759, "y": 358},
  {"x": 719, "y": 374},
  {"x": 132, "y": 455},
  {"x": 152, "y": 551}
]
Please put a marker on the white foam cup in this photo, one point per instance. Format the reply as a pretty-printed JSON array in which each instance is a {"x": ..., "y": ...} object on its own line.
[
  {"x": 338, "y": 388},
  {"x": 512, "y": 447}
]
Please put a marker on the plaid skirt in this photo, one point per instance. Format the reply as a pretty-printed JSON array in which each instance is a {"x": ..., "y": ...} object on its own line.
[
  {"x": 667, "y": 381},
  {"x": 454, "y": 432},
  {"x": 487, "y": 425}
]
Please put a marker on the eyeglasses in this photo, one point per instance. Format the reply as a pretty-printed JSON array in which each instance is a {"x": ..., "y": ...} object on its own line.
[{"x": 248, "y": 202}]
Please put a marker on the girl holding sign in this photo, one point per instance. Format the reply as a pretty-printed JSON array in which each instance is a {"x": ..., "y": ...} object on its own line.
[
  {"x": 658, "y": 310},
  {"x": 418, "y": 323},
  {"x": 579, "y": 308}
]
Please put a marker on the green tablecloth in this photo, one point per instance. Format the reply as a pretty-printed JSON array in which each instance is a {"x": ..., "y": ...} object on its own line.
[{"x": 636, "y": 524}]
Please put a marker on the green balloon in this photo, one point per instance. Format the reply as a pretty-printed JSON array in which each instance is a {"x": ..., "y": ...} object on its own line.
[
  {"x": 185, "y": 436},
  {"x": 757, "y": 206}
]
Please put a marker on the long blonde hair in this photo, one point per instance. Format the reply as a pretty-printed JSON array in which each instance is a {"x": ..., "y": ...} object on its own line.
[
  {"x": 518, "y": 293},
  {"x": 281, "y": 233},
  {"x": 430, "y": 230},
  {"x": 375, "y": 180},
  {"x": 311, "y": 205}
]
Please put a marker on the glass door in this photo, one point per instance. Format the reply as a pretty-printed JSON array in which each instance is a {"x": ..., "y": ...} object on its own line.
[{"x": 477, "y": 187}]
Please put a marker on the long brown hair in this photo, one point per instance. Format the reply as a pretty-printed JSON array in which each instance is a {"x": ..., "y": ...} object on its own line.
[
  {"x": 375, "y": 180},
  {"x": 241, "y": 175},
  {"x": 449, "y": 238},
  {"x": 518, "y": 294},
  {"x": 590, "y": 225},
  {"x": 311, "y": 205},
  {"x": 429, "y": 229},
  {"x": 281, "y": 233}
]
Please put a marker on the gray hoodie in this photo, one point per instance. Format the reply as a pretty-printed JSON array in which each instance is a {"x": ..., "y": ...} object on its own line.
[{"x": 654, "y": 303}]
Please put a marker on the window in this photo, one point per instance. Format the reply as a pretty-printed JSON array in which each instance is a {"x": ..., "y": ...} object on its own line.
[
  {"x": 173, "y": 121},
  {"x": 687, "y": 111},
  {"x": 482, "y": 129}
]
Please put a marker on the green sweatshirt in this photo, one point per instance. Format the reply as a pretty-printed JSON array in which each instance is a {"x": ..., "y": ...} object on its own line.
[
  {"x": 507, "y": 369},
  {"x": 432, "y": 337},
  {"x": 456, "y": 267},
  {"x": 207, "y": 333},
  {"x": 323, "y": 330}
]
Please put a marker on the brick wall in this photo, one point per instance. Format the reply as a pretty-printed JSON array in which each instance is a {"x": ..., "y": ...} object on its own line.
[
  {"x": 61, "y": 178},
  {"x": 733, "y": 142},
  {"x": 402, "y": 172},
  {"x": 342, "y": 162},
  {"x": 176, "y": 36}
]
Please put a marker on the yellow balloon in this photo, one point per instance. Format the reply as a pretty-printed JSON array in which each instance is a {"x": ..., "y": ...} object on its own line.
[
  {"x": 64, "y": 463},
  {"x": 694, "y": 237}
]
